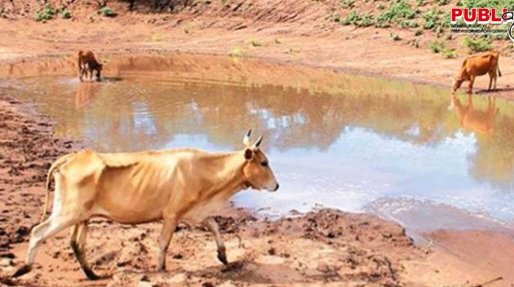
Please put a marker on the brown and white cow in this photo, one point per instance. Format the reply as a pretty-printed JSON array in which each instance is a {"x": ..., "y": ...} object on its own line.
[
  {"x": 88, "y": 63},
  {"x": 477, "y": 65},
  {"x": 171, "y": 185}
]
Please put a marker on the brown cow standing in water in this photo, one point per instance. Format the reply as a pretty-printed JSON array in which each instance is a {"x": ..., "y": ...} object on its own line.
[
  {"x": 476, "y": 120},
  {"x": 87, "y": 64},
  {"x": 478, "y": 65}
]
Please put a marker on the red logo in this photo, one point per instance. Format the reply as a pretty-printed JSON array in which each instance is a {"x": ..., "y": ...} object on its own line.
[{"x": 477, "y": 15}]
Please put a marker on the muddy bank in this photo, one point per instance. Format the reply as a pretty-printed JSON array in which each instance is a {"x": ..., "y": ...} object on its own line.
[{"x": 26, "y": 151}]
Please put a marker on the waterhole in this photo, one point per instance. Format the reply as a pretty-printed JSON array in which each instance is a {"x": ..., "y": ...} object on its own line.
[{"x": 351, "y": 142}]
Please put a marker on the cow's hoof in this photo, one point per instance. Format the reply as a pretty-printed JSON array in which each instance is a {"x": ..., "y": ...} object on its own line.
[
  {"x": 222, "y": 257},
  {"x": 22, "y": 271},
  {"x": 161, "y": 269},
  {"x": 91, "y": 275}
]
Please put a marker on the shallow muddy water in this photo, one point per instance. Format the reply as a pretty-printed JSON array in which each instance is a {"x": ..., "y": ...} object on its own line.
[{"x": 350, "y": 142}]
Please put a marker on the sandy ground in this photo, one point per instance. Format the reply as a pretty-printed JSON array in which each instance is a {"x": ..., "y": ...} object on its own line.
[{"x": 320, "y": 248}]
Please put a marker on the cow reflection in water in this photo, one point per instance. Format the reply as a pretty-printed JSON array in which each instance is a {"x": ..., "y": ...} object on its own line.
[
  {"x": 86, "y": 93},
  {"x": 472, "y": 119}
]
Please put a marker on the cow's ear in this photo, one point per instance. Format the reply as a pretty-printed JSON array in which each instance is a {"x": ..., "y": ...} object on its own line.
[{"x": 249, "y": 153}]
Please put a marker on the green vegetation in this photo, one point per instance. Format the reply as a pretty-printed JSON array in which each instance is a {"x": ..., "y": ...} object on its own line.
[
  {"x": 347, "y": 3},
  {"x": 237, "y": 52},
  {"x": 366, "y": 20},
  {"x": 449, "y": 53},
  {"x": 497, "y": 4},
  {"x": 45, "y": 14},
  {"x": 437, "y": 46},
  {"x": 66, "y": 14},
  {"x": 352, "y": 18},
  {"x": 398, "y": 11},
  {"x": 431, "y": 18},
  {"x": 335, "y": 17},
  {"x": 355, "y": 19},
  {"x": 255, "y": 43},
  {"x": 480, "y": 44},
  {"x": 395, "y": 37},
  {"x": 107, "y": 12},
  {"x": 414, "y": 42}
]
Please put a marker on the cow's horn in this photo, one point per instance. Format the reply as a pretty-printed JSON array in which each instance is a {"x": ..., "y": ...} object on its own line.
[
  {"x": 246, "y": 139},
  {"x": 258, "y": 142}
]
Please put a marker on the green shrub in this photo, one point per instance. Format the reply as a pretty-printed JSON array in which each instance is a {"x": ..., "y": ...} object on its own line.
[
  {"x": 395, "y": 37},
  {"x": 449, "y": 53},
  {"x": 398, "y": 10},
  {"x": 335, "y": 17},
  {"x": 431, "y": 18},
  {"x": 45, "y": 14},
  {"x": 107, "y": 12},
  {"x": 351, "y": 19},
  {"x": 237, "y": 52},
  {"x": 437, "y": 46},
  {"x": 366, "y": 20},
  {"x": 347, "y": 4},
  {"x": 409, "y": 24},
  {"x": 66, "y": 14},
  {"x": 478, "y": 44},
  {"x": 255, "y": 43}
]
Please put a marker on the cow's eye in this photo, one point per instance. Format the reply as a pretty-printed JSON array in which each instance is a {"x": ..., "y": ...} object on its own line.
[{"x": 264, "y": 163}]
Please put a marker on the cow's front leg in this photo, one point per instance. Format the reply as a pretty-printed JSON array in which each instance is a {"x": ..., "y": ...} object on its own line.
[
  {"x": 212, "y": 225},
  {"x": 168, "y": 228},
  {"x": 470, "y": 87}
]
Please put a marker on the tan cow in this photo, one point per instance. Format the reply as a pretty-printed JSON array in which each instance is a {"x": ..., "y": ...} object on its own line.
[
  {"x": 478, "y": 65},
  {"x": 171, "y": 185}
]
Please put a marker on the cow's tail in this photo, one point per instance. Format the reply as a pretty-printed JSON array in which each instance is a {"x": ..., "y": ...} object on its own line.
[
  {"x": 58, "y": 163},
  {"x": 499, "y": 72}
]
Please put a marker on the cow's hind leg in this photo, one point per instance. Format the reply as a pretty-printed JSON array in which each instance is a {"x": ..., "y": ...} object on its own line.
[
  {"x": 168, "y": 228},
  {"x": 78, "y": 244},
  {"x": 212, "y": 225},
  {"x": 492, "y": 79},
  {"x": 39, "y": 234}
]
